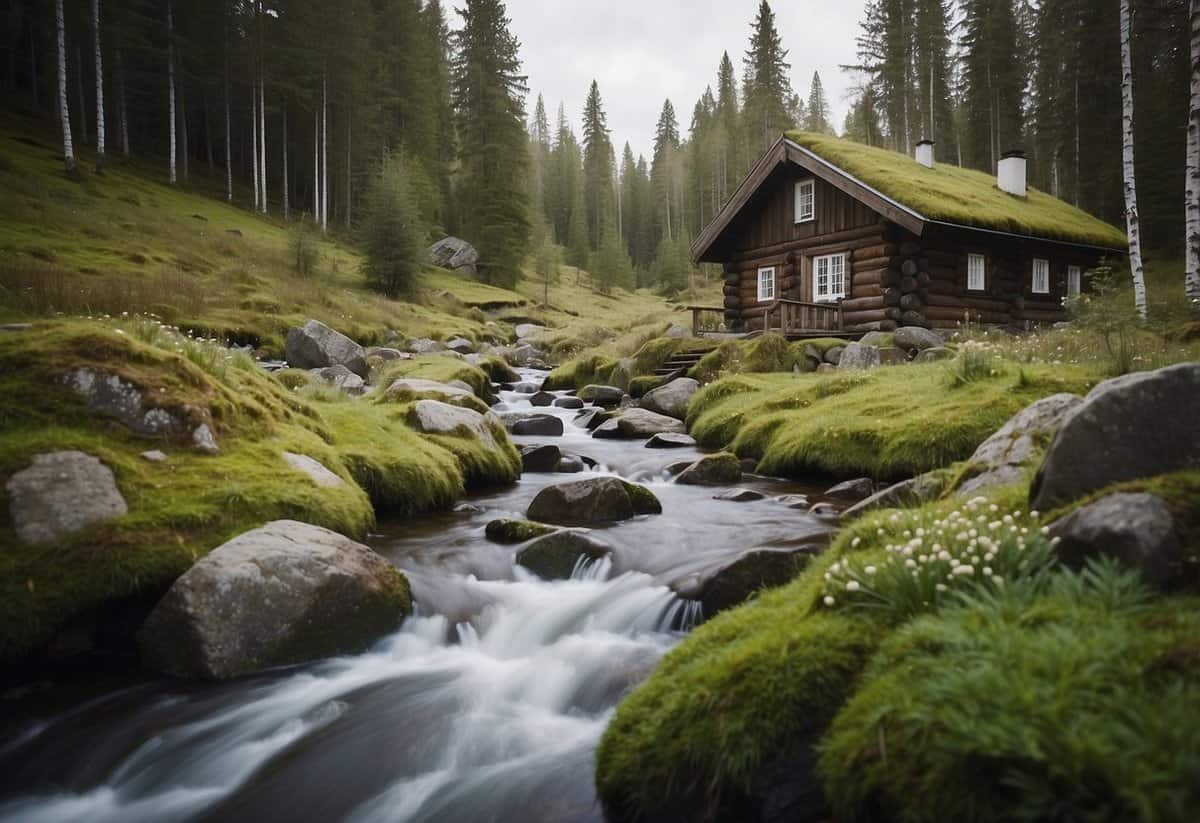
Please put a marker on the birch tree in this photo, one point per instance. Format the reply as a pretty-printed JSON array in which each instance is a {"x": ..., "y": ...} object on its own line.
[
  {"x": 171, "y": 93},
  {"x": 64, "y": 110},
  {"x": 1131, "y": 211},
  {"x": 100, "y": 158},
  {"x": 1192, "y": 183}
]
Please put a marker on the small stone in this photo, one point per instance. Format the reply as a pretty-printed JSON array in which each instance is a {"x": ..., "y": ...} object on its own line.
[
  {"x": 859, "y": 356},
  {"x": 915, "y": 338},
  {"x": 546, "y": 425},
  {"x": 154, "y": 456},
  {"x": 740, "y": 496},
  {"x": 596, "y": 500},
  {"x": 461, "y": 345},
  {"x": 670, "y": 440},
  {"x": 720, "y": 469},
  {"x": 342, "y": 378},
  {"x": 510, "y": 531},
  {"x": 857, "y": 489},
  {"x": 387, "y": 354},
  {"x": 932, "y": 355},
  {"x": 7, "y": 327},
  {"x": 555, "y": 556},
  {"x": 823, "y": 510},
  {"x": 592, "y": 418},
  {"x": 542, "y": 398},
  {"x": 202, "y": 439},
  {"x": 636, "y": 424},
  {"x": 671, "y": 399},
  {"x": 568, "y": 403},
  {"x": 60, "y": 494},
  {"x": 316, "y": 471},
  {"x": 793, "y": 501},
  {"x": 833, "y": 355},
  {"x": 606, "y": 396},
  {"x": 892, "y": 356},
  {"x": 540, "y": 458}
]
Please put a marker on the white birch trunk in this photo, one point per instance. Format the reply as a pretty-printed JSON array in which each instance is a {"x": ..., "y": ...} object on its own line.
[
  {"x": 99, "y": 86},
  {"x": 124, "y": 112},
  {"x": 262, "y": 139},
  {"x": 1191, "y": 277},
  {"x": 254, "y": 145},
  {"x": 171, "y": 93},
  {"x": 287, "y": 211},
  {"x": 324, "y": 151},
  {"x": 63, "y": 109},
  {"x": 1131, "y": 210}
]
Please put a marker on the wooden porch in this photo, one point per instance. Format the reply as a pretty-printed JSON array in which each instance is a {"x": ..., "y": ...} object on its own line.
[{"x": 794, "y": 319}]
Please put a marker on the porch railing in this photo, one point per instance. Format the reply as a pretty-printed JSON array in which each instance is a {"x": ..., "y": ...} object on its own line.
[
  {"x": 706, "y": 318},
  {"x": 796, "y": 316}
]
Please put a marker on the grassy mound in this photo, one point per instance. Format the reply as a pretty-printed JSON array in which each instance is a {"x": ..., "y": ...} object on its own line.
[
  {"x": 961, "y": 196},
  {"x": 886, "y": 423},
  {"x": 184, "y": 507},
  {"x": 601, "y": 368}
]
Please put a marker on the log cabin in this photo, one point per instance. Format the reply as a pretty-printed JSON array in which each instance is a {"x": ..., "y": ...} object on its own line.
[{"x": 829, "y": 236}]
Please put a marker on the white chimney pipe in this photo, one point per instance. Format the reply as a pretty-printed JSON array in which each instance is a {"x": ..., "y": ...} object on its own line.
[
  {"x": 1010, "y": 175},
  {"x": 925, "y": 153}
]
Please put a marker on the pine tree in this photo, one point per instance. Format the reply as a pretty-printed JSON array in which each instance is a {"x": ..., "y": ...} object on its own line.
[
  {"x": 597, "y": 165},
  {"x": 578, "y": 246},
  {"x": 994, "y": 79},
  {"x": 488, "y": 91},
  {"x": 767, "y": 87},
  {"x": 392, "y": 235},
  {"x": 818, "y": 108},
  {"x": 731, "y": 153},
  {"x": 665, "y": 172}
]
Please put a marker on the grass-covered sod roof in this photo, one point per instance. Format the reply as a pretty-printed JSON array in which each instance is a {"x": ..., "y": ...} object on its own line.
[{"x": 966, "y": 197}]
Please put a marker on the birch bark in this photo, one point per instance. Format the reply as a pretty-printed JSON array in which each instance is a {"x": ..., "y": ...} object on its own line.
[
  {"x": 171, "y": 93},
  {"x": 63, "y": 109},
  {"x": 1192, "y": 183},
  {"x": 99, "y": 86},
  {"x": 1132, "y": 222}
]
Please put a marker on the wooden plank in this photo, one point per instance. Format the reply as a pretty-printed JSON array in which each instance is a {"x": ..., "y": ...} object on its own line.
[{"x": 818, "y": 244}]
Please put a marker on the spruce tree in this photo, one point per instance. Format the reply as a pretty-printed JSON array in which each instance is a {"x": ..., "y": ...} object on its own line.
[
  {"x": 665, "y": 172},
  {"x": 597, "y": 165},
  {"x": 766, "y": 84},
  {"x": 818, "y": 108}
]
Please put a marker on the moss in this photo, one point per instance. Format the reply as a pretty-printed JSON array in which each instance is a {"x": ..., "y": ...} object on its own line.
[
  {"x": 639, "y": 386},
  {"x": 497, "y": 370},
  {"x": 516, "y": 531},
  {"x": 752, "y": 687},
  {"x": 404, "y": 394},
  {"x": 294, "y": 378},
  {"x": 886, "y": 423},
  {"x": 644, "y": 500},
  {"x": 718, "y": 469},
  {"x": 716, "y": 361},
  {"x": 961, "y": 196},
  {"x": 580, "y": 372},
  {"x": 1029, "y": 705},
  {"x": 440, "y": 368}
]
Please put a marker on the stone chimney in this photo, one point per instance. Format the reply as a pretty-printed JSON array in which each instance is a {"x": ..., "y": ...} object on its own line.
[
  {"x": 925, "y": 153},
  {"x": 1010, "y": 175}
]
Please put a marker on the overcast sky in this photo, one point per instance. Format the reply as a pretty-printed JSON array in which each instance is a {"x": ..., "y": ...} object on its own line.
[{"x": 642, "y": 52}]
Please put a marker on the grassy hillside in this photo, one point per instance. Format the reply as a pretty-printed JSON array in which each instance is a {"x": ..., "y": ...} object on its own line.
[{"x": 124, "y": 241}]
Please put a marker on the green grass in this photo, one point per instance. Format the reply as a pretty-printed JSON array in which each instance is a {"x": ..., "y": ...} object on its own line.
[
  {"x": 887, "y": 423},
  {"x": 182, "y": 508},
  {"x": 962, "y": 196}
]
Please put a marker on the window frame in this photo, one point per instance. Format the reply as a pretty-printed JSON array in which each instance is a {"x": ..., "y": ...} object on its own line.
[
  {"x": 829, "y": 296},
  {"x": 1033, "y": 276},
  {"x": 811, "y": 185},
  {"x": 1074, "y": 281},
  {"x": 983, "y": 273},
  {"x": 762, "y": 297}
]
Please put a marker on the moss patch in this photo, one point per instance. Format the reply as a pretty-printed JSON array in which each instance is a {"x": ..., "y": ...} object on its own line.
[
  {"x": 516, "y": 531},
  {"x": 962, "y": 196},
  {"x": 643, "y": 500},
  {"x": 887, "y": 423}
]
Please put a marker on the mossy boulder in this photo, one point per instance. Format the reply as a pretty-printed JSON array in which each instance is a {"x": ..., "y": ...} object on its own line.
[
  {"x": 516, "y": 531},
  {"x": 595, "y": 500},
  {"x": 286, "y": 592},
  {"x": 721, "y": 469},
  {"x": 735, "y": 581},
  {"x": 555, "y": 556}
]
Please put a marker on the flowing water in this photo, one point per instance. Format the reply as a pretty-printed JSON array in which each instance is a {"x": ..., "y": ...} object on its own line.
[{"x": 486, "y": 705}]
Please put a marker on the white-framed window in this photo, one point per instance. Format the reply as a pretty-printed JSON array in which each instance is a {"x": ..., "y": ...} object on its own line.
[
  {"x": 829, "y": 277},
  {"x": 806, "y": 200},
  {"x": 1041, "y": 276},
  {"x": 976, "y": 272},
  {"x": 1074, "y": 280},
  {"x": 766, "y": 283}
]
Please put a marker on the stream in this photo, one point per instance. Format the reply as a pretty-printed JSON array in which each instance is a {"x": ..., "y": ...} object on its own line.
[{"x": 486, "y": 705}]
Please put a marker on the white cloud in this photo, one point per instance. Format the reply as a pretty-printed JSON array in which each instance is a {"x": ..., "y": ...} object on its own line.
[{"x": 644, "y": 51}]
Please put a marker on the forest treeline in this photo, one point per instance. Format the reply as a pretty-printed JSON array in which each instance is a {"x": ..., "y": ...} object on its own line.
[{"x": 300, "y": 105}]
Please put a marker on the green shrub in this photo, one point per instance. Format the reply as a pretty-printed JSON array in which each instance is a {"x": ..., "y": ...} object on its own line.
[
  {"x": 974, "y": 362},
  {"x": 769, "y": 353},
  {"x": 306, "y": 251},
  {"x": 392, "y": 234},
  {"x": 1070, "y": 698}
]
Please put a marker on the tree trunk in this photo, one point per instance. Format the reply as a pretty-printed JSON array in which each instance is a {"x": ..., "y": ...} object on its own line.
[
  {"x": 123, "y": 111},
  {"x": 1131, "y": 209},
  {"x": 79, "y": 97},
  {"x": 184, "y": 152},
  {"x": 63, "y": 109},
  {"x": 287, "y": 209},
  {"x": 99, "y": 86},
  {"x": 262, "y": 139},
  {"x": 228, "y": 139},
  {"x": 254, "y": 145},
  {"x": 1192, "y": 187},
  {"x": 324, "y": 151},
  {"x": 316, "y": 186},
  {"x": 171, "y": 93}
]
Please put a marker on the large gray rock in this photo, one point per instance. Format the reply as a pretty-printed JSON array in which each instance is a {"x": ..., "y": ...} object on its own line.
[
  {"x": 720, "y": 469},
  {"x": 1137, "y": 529},
  {"x": 315, "y": 470},
  {"x": 595, "y": 500},
  {"x": 636, "y": 424},
  {"x": 540, "y": 458},
  {"x": 284, "y": 593},
  {"x": 525, "y": 331},
  {"x": 425, "y": 345},
  {"x": 408, "y": 387},
  {"x": 111, "y": 396},
  {"x": 671, "y": 399},
  {"x": 915, "y": 338},
  {"x": 858, "y": 356},
  {"x": 555, "y": 556},
  {"x": 461, "y": 345},
  {"x": 606, "y": 396},
  {"x": 544, "y": 425},
  {"x": 736, "y": 581},
  {"x": 1130, "y": 427},
  {"x": 1005, "y": 456},
  {"x": 455, "y": 254},
  {"x": 315, "y": 346},
  {"x": 61, "y": 493},
  {"x": 387, "y": 354},
  {"x": 436, "y": 417}
]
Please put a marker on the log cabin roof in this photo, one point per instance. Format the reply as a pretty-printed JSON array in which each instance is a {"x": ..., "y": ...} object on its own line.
[{"x": 913, "y": 196}]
